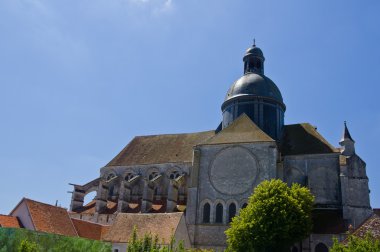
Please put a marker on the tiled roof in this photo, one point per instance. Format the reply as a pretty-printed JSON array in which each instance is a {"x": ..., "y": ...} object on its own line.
[
  {"x": 242, "y": 130},
  {"x": 50, "y": 219},
  {"x": 298, "y": 139},
  {"x": 163, "y": 225},
  {"x": 158, "y": 149},
  {"x": 158, "y": 206},
  {"x": 371, "y": 225},
  {"x": 303, "y": 138},
  {"x": 9, "y": 221},
  {"x": 90, "y": 230},
  {"x": 90, "y": 208}
]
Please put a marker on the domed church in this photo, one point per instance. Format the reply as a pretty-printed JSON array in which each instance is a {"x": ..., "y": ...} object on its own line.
[{"x": 205, "y": 178}]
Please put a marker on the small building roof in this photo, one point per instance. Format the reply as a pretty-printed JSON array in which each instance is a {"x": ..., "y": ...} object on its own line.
[
  {"x": 242, "y": 130},
  {"x": 371, "y": 225},
  {"x": 158, "y": 149},
  {"x": 90, "y": 230},
  {"x": 48, "y": 218},
  {"x": 8, "y": 221},
  {"x": 164, "y": 225},
  {"x": 303, "y": 138}
]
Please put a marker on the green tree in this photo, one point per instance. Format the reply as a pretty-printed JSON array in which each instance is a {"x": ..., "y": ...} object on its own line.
[
  {"x": 357, "y": 244},
  {"x": 28, "y": 246},
  {"x": 276, "y": 217}
]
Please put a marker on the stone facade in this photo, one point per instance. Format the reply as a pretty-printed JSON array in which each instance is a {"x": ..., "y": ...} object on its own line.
[{"x": 210, "y": 175}]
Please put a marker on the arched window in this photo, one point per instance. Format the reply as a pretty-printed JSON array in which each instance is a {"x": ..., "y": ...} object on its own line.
[
  {"x": 153, "y": 175},
  {"x": 321, "y": 248},
  {"x": 110, "y": 176},
  {"x": 206, "y": 213},
  {"x": 219, "y": 213},
  {"x": 129, "y": 176},
  {"x": 244, "y": 205},
  {"x": 231, "y": 211}
]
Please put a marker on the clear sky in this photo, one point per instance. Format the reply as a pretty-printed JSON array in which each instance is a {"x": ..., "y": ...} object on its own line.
[{"x": 79, "y": 79}]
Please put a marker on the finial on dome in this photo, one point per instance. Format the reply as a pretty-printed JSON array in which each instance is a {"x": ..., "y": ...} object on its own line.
[{"x": 254, "y": 42}]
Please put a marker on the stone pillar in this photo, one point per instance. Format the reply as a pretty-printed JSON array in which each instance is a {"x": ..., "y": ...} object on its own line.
[
  {"x": 101, "y": 198},
  {"x": 77, "y": 199},
  {"x": 148, "y": 193},
  {"x": 125, "y": 194},
  {"x": 173, "y": 189}
]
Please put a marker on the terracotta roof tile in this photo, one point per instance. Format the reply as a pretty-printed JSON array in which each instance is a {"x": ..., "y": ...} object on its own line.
[
  {"x": 163, "y": 225},
  {"x": 158, "y": 149},
  {"x": 50, "y": 219},
  {"x": 90, "y": 230},
  {"x": 9, "y": 221}
]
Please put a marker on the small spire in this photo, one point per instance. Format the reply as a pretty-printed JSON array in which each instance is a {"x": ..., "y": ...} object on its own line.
[
  {"x": 254, "y": 42},
  {"x": 346, "y": 133}
]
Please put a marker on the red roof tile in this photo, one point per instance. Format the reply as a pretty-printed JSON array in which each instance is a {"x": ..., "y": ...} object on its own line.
[
  {"x": 50, "y": 219},
  {"x": 9, "y": 221},
  {"x": 90, "y": 230},
  {"x": 163, "y": 225}
]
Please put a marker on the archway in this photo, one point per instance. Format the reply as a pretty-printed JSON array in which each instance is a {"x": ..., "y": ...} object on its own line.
[{"x": 321, "y": 248}]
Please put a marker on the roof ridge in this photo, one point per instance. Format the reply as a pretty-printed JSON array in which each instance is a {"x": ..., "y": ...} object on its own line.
[
  {"x": 175, "y": 134},
  {"x": 99, "y": 224},
  {"x": 39, "y": 202}
]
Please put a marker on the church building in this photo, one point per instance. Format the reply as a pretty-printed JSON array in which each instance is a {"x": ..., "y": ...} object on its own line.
[{"x": 207, "y": 177}]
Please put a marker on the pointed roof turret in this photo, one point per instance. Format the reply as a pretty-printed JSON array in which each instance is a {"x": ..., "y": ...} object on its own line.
[
  {"x": 347, "y": 143},
  {"x": 346, "y": 134}
]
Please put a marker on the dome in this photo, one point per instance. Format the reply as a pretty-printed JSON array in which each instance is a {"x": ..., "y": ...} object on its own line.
[
  {"x": 253, "y": 84},
  {"x": 253, "y": 51}
]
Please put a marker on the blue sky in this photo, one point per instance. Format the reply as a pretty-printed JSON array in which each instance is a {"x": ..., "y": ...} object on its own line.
[{"x": 79, "y": 79}]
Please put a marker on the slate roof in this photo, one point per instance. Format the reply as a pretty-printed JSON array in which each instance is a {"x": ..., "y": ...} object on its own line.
[
  {"x": 8, "y": 221},
  {"x": 159, "y": 149},
  {"x": 90, "y": 230},
  {"x": 371, "y": 225},
  {"x": 242, "y": 130},
  {"x": 163, "y": 225},
  {"x": 50, "y": 219},
  {"x": 303, "y": 138}
]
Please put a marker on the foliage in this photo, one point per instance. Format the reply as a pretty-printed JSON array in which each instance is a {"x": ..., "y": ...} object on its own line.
[
  {"x": 28, "y": 246},
  {"x": 276, "y": 217},
  {"x": 357, "y": 244},
  {"x": 18, "y": 239},
  {"x": 151, "y": 244}
]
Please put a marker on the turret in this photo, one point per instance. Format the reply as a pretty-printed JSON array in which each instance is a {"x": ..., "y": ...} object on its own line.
[{"x": 347, "y": 143}]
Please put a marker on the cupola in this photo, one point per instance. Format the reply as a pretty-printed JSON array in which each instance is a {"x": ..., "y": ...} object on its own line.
[{"x": 255, "y": 95}]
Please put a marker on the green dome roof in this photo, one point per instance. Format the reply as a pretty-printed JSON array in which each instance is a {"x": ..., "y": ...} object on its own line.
[{"x": 254, "y": 84}]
